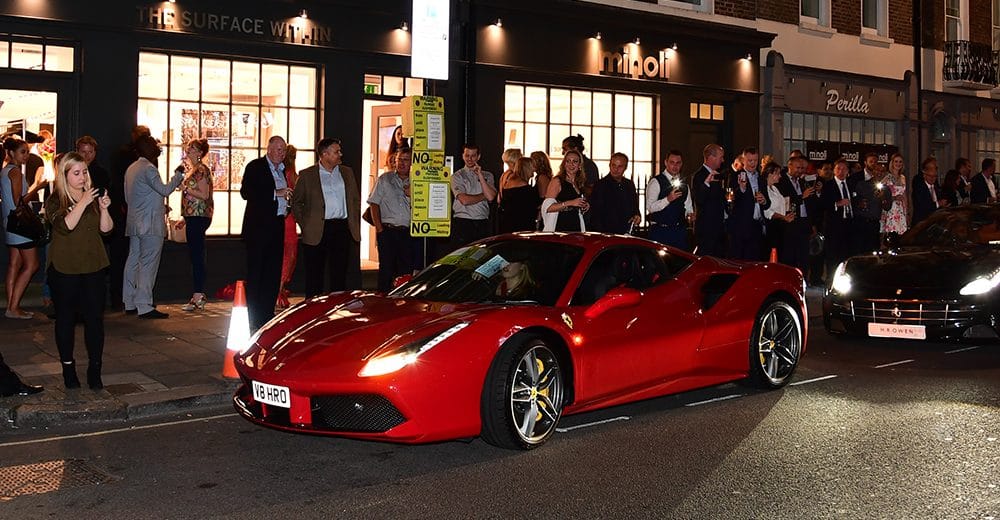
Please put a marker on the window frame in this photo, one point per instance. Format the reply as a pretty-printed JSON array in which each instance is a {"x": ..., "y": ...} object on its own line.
[
  {"x": 962, "y": 20},
  {"x": 823, "y": 12},
  {"x": 881, "y": 18}
]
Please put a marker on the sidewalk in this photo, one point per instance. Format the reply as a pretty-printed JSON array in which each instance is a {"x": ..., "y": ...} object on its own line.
[{"x": 151, "y": 367}]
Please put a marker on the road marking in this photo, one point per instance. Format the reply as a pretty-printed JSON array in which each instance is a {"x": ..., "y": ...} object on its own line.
[
  {"x": 894, "y": 363},
  {"x": 724, "y": 398},
  {"x": 956, "y": 351},
  {"x": 813, "y": 380},
  {"x": 116, "y": 430},
  {"x": 597, "y": 423}
]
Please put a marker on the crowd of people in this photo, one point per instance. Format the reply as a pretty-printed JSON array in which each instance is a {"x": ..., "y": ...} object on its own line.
[{"x": 111, "y": 226}]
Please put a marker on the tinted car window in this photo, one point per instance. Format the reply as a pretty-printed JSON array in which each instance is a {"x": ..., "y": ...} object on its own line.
[
  {"x": 633, "y": 267},
  {"x": 961, "y": 226},
  {"x": 508, "y": 271}
]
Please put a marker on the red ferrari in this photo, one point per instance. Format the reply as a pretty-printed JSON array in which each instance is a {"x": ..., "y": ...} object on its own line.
[{"x": 502, "y": 338}]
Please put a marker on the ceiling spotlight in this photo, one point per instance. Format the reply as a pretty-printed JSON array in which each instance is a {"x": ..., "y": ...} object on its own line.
[
  {"x": 598, "y": 35},
  {"x": 303, "y": 14},
  {"x": 636, "y": 41},
  {"x": 498, "y": 23},
  {"x": 404, "y": 27},
  {"x": 674, "y": 46}
]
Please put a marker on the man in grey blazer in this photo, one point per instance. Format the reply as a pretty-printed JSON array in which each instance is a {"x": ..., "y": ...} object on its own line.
[
  {"x": 144, "y": 224},
  {"x": 327, "y": 205}
]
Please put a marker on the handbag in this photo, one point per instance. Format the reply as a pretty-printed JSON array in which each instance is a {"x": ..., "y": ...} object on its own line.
[
  {"x": 23, "y": 221},
  {"x": 176, "y": 230}
]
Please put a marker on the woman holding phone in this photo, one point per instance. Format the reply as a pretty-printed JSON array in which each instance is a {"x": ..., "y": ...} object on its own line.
[
  {"x": 197, "y": 208},
  {"x": 79, "y": 216}
]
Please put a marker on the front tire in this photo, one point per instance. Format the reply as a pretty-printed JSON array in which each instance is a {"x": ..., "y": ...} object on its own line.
[
  {"x": 775, "y": 345},
  {"x": 522, "y": 399}
]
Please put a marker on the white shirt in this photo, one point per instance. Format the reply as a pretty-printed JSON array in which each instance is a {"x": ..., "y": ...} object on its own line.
[
  {"x": 779, "y": 203},
  {"x": 931, "y": 188},
  {"x": 334, "y": 193},
  {"x": 280, "y": 183},
  {"x": 653, "y": 204}
]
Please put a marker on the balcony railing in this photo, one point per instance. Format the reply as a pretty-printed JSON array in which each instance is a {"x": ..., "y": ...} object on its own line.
[{"x": 970, "y": 65}]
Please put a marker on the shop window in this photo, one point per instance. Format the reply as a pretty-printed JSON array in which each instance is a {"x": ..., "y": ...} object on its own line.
[
  {"x": 815, "y": 12},
  {"x": 35, "y": 54},
  {"x": 4, "y": 55},
  {"x": 800, "y": 128},
  {"x": 695, "y": 5},
  {"x": 708, "y": 112},
  {"x": 539, "y": 118},
  {"x": 237, "y": 105},
  {"x": 394, "y": 86}
]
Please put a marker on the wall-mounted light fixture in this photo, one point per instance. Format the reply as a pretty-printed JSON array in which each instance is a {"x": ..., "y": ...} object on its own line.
[
  {"x": 674, "y": 46},
  {"x": 498, "y": 23},
  {"x": 749, "y": 57},
  {"x": 822, "y": 84},
  {"x": 598, "y": 35},
  {"x": 791, "y": 80},
  {"x": 403, "y": 26},
  {"x": 636, "y": 41},
  {"x": 303, "y": 14},
  {"x": 871, "y": 91}
]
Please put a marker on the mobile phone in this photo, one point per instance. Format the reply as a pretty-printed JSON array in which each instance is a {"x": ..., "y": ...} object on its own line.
[{"x": 101, "y": 192}]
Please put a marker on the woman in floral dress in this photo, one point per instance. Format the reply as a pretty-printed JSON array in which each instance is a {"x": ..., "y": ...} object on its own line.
[{"x": 894, "y": 220}]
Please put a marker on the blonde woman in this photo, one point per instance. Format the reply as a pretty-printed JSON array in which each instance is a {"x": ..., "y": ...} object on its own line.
[
  {"x": 519, "y": 207},
  {"x": 894, "y": 220},
  {"x": 79, "y": 216},
  {"x": 510, "y": 157},
  {"x": 543, "y": 172},
  {"x": 564, "y": 203},
  {"x": 197, "y": 208}
]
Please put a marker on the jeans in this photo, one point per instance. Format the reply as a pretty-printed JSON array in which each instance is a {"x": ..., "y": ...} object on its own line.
[
  {"x": 83, "y": 294},
  {"x": 196, "y": 227}
]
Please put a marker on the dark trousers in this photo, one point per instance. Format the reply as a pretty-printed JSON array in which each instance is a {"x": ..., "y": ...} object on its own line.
[
  {"x": 465, "y": 231},
  {"x": 196, "y": 228},
  {"x": 865, "y": 237},
  {"x": 395, "y": 255},
  {"x": 265, "y": 249},
  {"x": 795, "y": 246},
  {"x": 8, "y": 379},
  {"x": 330, "y": 255},
  {"x": 746, "y": 246},
  {"x": 676, "y": 236},
  {"x": 117, "y": 254},
  {"x": 82, "y": 294},
  {"x": 711, "y": 242},
  {"x": 836, "y": 247}
]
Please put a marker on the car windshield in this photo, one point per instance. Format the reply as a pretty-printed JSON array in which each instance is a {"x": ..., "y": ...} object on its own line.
[
  {"x": 504, "y": 271},
  {"x": 957, "y": 227}
]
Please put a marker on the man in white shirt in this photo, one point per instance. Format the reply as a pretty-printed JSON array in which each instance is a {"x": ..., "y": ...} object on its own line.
[
  {"x": 983, "y": 191},
  {"x": 668, "y": 204}
]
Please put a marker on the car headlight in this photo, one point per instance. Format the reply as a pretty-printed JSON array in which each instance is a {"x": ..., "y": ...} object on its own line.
[
  {"x": 981, "y": 285},
  {"x": 407, "y": 354},
  {"x": 841, "y": 280}
]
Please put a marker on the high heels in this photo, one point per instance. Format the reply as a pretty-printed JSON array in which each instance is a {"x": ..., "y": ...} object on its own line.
[
  {"x": 195, "y": 303},
  {"x": 69, "y": 375}
]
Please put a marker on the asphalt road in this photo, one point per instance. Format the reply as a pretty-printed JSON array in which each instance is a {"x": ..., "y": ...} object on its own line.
[{"x": 868, "y": 429}]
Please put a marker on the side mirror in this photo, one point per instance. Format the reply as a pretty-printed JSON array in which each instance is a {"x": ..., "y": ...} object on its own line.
[
  {"x": 400, "y": 280},
  {"x": 617, "y": 298}
]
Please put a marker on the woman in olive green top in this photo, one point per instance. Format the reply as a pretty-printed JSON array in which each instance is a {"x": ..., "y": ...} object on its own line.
[{"x": 79, "y": 216}]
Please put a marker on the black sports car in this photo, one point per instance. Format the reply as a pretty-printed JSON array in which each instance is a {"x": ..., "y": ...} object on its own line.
[{"x": 939, "y": 280}]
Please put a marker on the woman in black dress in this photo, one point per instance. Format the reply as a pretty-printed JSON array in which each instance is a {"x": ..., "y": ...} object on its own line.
[
  {"x": 564, "y": 196},
  {"x": 519, "y": 199}
]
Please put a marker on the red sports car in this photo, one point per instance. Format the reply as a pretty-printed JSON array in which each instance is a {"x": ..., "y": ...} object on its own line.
[{"x": 502, "y": 338}]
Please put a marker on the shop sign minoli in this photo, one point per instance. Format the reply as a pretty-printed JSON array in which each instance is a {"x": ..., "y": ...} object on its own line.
[
  {"x": 174, "y": 18},
  {"x": 841, "y": 103},
  {"x": 627, "y": 64}
]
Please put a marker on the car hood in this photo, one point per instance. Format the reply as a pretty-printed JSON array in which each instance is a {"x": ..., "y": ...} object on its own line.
[
  {"x": 322, "y": 332},
  {"x": 921, "y": 270}
]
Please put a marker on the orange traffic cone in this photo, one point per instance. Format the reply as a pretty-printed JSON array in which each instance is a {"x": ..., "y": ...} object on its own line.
[
  {"x": 239, "y": 331},
  {"x": 774, "y": 255}
]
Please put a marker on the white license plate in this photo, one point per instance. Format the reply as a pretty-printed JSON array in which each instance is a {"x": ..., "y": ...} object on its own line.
[
  {"x": 893, "y": 330},
  {"x": 272, "y": 394}
]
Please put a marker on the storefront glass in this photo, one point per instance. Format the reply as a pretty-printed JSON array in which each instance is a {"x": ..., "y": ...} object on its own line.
[
  {"x": 539, "y": 118},
  {"x": 800, "y": 127},
  {"x": 237, "y": 105}
]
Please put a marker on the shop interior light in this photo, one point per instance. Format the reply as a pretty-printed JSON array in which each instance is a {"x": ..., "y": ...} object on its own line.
[
  {"x": 404, "y": 26},
  {"x": 498, "y": 23},
  {"x": 303, "y": 14}
]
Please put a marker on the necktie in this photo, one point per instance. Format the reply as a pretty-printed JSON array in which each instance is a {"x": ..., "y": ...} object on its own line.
[
  {"x": 933, "y": 191},
  {"x": 843, "y": 193},
  {"x": 802, "y": 205}
]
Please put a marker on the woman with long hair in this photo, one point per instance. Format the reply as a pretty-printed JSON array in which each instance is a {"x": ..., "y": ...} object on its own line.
[
  {"x": 23, "y": 260},
  {"x": 564, "y": 196},
  {"x": 894, "y": 220},
  {"x": 397, "y": 142},
  {"x": 509, "y": 157},
  {"x": 543, "y": 172},
  {"x": 291, "y": 233},
  {"x": 197, "y": 208},
  {"x": 79, "y": 216},
  {"x": 519, "y": 206},
  {"x": 778, "y": 214}
]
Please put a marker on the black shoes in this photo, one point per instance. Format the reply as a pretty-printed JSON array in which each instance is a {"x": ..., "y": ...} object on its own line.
[
  {"x": 130, "y": 312},
  {"x": 69, "y": 375},
  {"x": 153, "y": 315},
  {"x": 22, "y": 389},
  {"x": 94, "y": 377}
]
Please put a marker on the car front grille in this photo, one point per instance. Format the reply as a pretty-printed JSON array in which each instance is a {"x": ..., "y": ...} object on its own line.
[
  {"x": 355, "y": 413},
  {"x": 908, "y": 312}
]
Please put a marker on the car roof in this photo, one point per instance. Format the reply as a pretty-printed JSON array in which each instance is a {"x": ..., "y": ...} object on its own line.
[{"x": 587, "y": 240}]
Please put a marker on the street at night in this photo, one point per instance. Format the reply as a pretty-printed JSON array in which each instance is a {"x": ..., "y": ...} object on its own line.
[{"x": 866, "y": 429}]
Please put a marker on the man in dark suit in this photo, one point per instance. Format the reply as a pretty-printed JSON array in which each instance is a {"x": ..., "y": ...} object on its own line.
[
  {"x": 710, "y": 200},
  {"x": 868, "y": 204},
  {"x": 266, "y": 192},
  {"x": 836, "y": 203},
  {"x": 982, "y": 189},
  {"x": 614, "y": 201},
  {"x": 327, "y": 205},
  {"x": 805, "y": 200},
  {"x": 746, "y": 221},
  {"x": 926, "y": 195}
]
